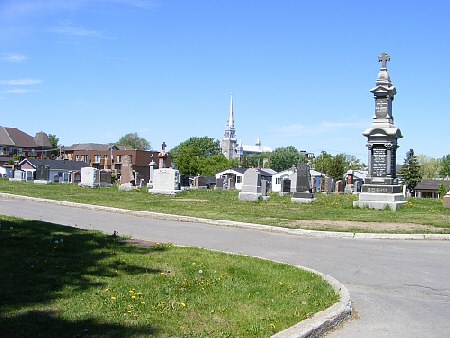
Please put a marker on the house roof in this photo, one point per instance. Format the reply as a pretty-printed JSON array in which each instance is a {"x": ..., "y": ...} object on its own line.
[
  {"x": 432, "y": 185},
  {"x": 90, "y": 146},
  {"x": 56, "y": 164},
  {"x": 4, "y": 137},
  {"x": 41, "y": 139},
  {"x": 19, "y": 138}
]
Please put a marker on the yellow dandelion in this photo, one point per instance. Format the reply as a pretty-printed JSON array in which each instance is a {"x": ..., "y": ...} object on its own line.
[
  {"x": 133, "y": 296},
  {"x": 183, "y": 304},
  {"x": 106, "y": 290},
  {"x": 113, "y": 298},
  {"x": 142, "y": 303}
]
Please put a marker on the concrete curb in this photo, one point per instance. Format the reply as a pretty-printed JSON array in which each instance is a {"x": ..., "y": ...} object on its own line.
[
  {"x": 325, "y": 320},
  {"x": 235, "y": 224}
]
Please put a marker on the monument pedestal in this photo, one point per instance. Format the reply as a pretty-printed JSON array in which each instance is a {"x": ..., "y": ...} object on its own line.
[
  {"x": 380, "y": 200},
  {"x": 302, "y": 197},
  {"x": 249, "y": 196}
]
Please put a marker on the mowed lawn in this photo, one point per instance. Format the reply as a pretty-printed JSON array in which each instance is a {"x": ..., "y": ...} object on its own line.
[
  {"x": 224, "y": 204},
  {"x": 66, "y": 282}
]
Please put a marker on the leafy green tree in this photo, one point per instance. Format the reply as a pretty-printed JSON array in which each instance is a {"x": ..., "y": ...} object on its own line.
[
  {"x": 411, "y": 171},
  {"x": 211, "y": 165},
  {"x": 338, "y": 166},
  {"x": 322, "y": 162},
  {"x": 429, "y": 167},
  {"x": 54, "y": 142},
  {"x": 188, "y": 155},
  {"x": 442, "y": 190},
  {"x": 134, "y": 141},
  {"x": 445, "y": 169},
  {"x": 285, "y": 157}
]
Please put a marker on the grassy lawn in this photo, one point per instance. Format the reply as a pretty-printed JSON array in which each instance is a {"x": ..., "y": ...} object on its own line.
[
  {"x": 223, "y": 204},
  {"x": 66, "y": 282}
]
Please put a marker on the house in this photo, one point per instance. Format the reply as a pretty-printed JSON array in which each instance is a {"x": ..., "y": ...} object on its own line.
[
  {"x": 57, "y": 171},
  {"x": 15, "y": 143},
  {"x": 110, "y": 157},
  {"x": 429, "y": 188},
  {"x": 234, "y": 178},
  {"x": 277, "y": 179}
]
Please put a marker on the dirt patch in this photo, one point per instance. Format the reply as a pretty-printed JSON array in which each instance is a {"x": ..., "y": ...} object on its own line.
[{"x": 370, "y": 226}]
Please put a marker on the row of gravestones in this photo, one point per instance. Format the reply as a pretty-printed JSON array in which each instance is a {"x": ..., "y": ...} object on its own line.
[{"x": 255, "y": 188}]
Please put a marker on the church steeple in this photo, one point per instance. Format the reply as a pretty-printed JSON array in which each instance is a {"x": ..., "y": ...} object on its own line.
[{"x": 229, "y": 141}]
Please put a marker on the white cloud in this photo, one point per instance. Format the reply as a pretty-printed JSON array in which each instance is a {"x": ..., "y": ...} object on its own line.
[
  {"x": 70, "y": 29},
  {"x": 142, "y": 4},
  {"x": 321, "y": 128},
  {"x": 19, "y": 91},
  {"x": 20, "y": 82},
  {"x": 12, "y": 57}
]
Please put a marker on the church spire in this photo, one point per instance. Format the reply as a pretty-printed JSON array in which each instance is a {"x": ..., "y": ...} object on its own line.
[{"x": 231, "y": 116}]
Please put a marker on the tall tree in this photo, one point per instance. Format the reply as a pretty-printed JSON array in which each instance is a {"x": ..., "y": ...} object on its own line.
[
  {"x": 411, "y": 171},
  {"x": 188, "y": 155},
  {"x": 134, "y": 141},
  {"x": 322, "y": 162},
  {"x": 285, "y": 157},
  {"x": 445, "y": 170},
  {"x": 54, "y": 142},
  {"x": 430, "y": 167},
  {"x": 338, "y": 166}
]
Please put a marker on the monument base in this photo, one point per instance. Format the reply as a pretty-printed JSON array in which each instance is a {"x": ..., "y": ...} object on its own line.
[
  {"x": 250, "y": 196},
  {"x": 302, "y": 197},
  {"x": 41, "y": 182},
  {"x": 164, "y": 192},
  {"x": 380, "y": 200}
]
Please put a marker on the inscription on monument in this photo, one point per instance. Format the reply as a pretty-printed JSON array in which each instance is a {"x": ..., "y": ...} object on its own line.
[
  {"x": 381, "y": 108},
  {"x": 379, "y": 163}
]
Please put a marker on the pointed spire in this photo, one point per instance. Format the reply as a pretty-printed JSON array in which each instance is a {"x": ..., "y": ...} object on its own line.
[{"x": 231, "y": 116}]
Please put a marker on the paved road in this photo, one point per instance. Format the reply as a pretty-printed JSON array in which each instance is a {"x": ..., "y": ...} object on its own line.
[{"x": 399, "y": 288}]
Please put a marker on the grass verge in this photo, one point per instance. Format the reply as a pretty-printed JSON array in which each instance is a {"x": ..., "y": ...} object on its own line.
[
  {"x": 224, "y": 204},
  {"x": 67, "y": 282}
]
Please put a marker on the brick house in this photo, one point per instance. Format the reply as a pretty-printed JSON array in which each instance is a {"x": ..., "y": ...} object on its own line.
[
  {"x": 15, "y": 143},
  {"x": 110, "y": 157}
]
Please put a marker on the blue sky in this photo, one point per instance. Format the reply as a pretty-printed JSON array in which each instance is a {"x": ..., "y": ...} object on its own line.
[{"x": 300, "y": 71}]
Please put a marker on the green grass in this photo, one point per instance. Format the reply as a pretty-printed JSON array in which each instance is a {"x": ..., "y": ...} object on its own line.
[
  {"x": 224, "y": 204},
  {"x": 66, "y": 282}
]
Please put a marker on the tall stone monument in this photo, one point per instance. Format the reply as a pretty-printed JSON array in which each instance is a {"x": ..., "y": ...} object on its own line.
[{"x": 381, "y": 188}]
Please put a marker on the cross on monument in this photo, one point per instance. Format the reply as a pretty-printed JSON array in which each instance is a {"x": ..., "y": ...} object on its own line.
[
  {"x": 383, "y": 58},
  {"x": 163, "y": 146}
]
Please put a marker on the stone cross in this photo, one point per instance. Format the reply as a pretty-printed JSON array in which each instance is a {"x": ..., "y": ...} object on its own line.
[
  {"x": 383, "y": 58},
  {"x": 163, "y": 146}
]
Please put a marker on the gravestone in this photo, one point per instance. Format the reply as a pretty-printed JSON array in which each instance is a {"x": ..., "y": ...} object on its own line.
[
  {"x": 285, "y": 186},
  {"x": 251, "y": 186},
  {"x": 301, "y": 185},
  {"x": 43, "y": 172},
  {"x": 126, "y": 171},
  {"x": 185, "y": 182},
  {"x": 381, "y": 188},
  {"x": 327, "y": 186},
  {"x": 152, "y": 169},
  {"x": 349, "y": 186},
  {"x": 76, "y": 177},
  {"x": 200, "y": 182},
  {"x": 231, "y": 183},
  {"x": 89, "y": 177},
  {"x": 105, "y": 178},
  {"x": 447, "y": 200},
  {"x": 166, "y": 181},
  {"x": 219, "y": 183}
]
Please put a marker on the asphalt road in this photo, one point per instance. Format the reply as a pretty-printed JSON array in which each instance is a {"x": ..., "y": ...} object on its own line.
[{"x": 399, "y": 288}]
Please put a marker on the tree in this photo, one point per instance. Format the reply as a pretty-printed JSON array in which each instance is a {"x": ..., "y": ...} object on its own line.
[
  {"x": 429, "y": 167},
  {"x": 338, "y": 166},
  {"x": 411, "y": 171},
  {"x": 322, "y": 162},
  {"x": 211, "y": 165},
  {"x": 285, "y": 157},
  {"x": 445, "y": 169},
  {"x": 188, "y": 155},
  {"x": 54, "y": 142},
  {"x": 134, "y": 141},
  {"x": 442, "y": 190}
]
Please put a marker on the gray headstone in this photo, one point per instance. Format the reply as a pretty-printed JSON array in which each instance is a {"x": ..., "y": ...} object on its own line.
[
  {"x": 252, "y": 181},
  {"x": 219, "y": 183},
  {"x": 89, "y": 177},
  {"x": 166, "y": 181},
  {"x": 300, "y": 179},
  {"x": 286, "y": 185},
  {"x": 43, "y": 172},
  {"x": 126, "y": 172}
]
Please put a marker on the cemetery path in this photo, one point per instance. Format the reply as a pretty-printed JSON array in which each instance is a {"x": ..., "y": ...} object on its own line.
[{"x": 399, "y": 288}]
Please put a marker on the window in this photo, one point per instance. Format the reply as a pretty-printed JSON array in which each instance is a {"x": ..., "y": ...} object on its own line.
[
  {"x": 238, "y": 179},
  {"x": 98, "y": 158},
  {"x": 119, "y": 158},
  {"x": 278, "y": 180},
  {"x": 77, "y": 158}
]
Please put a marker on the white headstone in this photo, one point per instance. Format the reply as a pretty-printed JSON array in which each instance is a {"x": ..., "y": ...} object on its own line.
[
  {"x": 166, "y": 181},
  {"x": 89, "y": 177}
]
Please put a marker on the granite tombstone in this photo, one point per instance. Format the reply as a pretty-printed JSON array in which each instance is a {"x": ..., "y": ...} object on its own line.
[{"x": 301, "y": 184}]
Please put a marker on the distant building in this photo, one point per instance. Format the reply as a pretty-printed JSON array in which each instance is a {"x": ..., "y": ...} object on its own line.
[
  {"x": 231, "y": 149},
  {"x": 15, "y": 143},
  {"x": 110, "y": 157}
]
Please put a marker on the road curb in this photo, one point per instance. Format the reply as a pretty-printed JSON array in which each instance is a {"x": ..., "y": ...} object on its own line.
[
  {"x": 236, "y": 224},
  {"x": 325, "y": 320}
]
